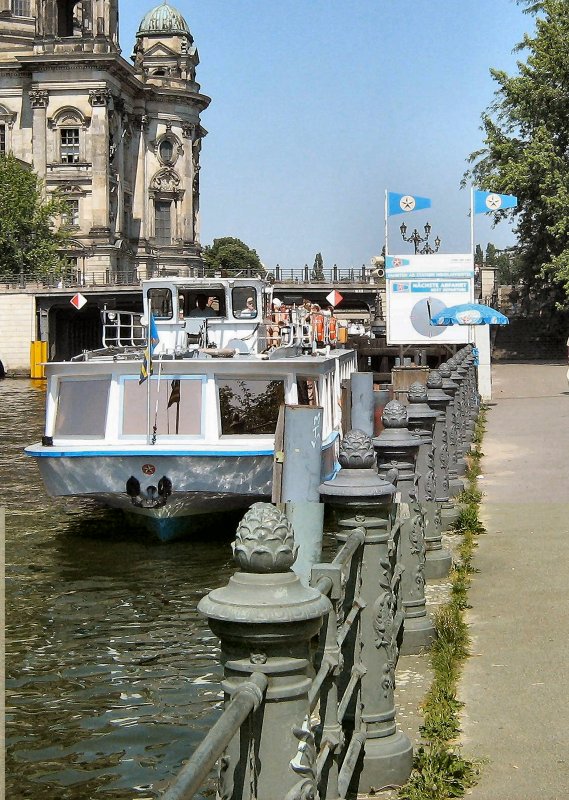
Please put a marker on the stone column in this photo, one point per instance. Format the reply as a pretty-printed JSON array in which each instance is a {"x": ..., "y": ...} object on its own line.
[
  {"x": 397, "y": 448},
  {"x": 363, "y": 500},
  {"x": 39, "y": 99},
  {"x": 187, "y": 228},
  {"x": 422, "y": 420},
  {"x": 456, "y": 486},
  {"x": 99, "y": 138},
  {"x": 265, "y": 620}
]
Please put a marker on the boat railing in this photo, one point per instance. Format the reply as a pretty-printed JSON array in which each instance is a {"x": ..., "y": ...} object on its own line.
[{"x": 122, "y": 329}]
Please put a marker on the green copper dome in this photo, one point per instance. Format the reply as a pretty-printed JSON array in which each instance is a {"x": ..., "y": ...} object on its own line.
[{"x": 163, "y": 19}]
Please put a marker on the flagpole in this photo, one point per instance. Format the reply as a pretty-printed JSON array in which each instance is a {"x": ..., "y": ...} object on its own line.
[
  {"x": 385, "y": 223},
  {"x": 148, "y": 368},
  {"x": 472, "y": 222}
]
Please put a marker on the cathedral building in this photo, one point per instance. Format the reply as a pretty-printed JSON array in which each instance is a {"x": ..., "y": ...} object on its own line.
[{"x": 121, "y": 141}]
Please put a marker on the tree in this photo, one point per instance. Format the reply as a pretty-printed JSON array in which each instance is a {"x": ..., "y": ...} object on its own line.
[
  {"x": 478, "y": 256},
  {"x": 526, "y": 151},
  {"x": 317, "y": 273},
  {"x": 29, "y": 243},
  {"x": 231, "y": 256}
]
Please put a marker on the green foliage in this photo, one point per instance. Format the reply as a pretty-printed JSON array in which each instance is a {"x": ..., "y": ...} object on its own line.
[
  {"x": 28, "y": 240},
  {"x": 439, "y": 773},
  {"x": 526, "y": 151},
  {"x": 231, "y": 257},
  {"x": 317, "y": 273}
]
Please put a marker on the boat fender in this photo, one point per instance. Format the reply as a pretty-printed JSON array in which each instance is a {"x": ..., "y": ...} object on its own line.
[
  {"x": 133, "y": 487},
  {"x": 218, "y": 352},
  {"x": 164, "y": 487}
]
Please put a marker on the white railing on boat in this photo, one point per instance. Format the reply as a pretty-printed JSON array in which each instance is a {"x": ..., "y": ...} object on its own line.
[{"x": 122, "y": 329}]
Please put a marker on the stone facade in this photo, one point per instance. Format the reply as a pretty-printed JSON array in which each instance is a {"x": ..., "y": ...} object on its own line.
[
  {"x": 121, "y": 141},
  {"x": 17, "y": 323}
]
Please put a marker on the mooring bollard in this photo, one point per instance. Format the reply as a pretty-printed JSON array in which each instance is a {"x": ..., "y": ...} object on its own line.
[
  {"x": 361, "y": 499},
  {"x": 456, "y": 485},
  {"x": 397, "y": 447},
  {"x": 439, "y": 401},
  {"x": 422, "y": 419},
  {"x": 362, "y": 402},
  {"x": 265, "y": 619},
  {"x": 302, "y": 461}
]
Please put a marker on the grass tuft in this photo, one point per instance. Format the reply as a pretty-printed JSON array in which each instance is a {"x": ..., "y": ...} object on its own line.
[{"x": 439, "y": 769}]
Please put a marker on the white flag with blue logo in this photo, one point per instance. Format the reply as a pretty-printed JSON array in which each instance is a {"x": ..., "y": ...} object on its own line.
[
  {"x": 490, "y": 201},
  {"x": 404, "y": 203}
]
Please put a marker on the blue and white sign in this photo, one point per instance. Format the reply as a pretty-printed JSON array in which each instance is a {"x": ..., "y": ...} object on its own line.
[{"x": 418, "y": 286}]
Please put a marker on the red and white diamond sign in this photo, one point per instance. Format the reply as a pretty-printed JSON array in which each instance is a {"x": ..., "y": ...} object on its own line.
[
  {"x": 78, "y": 301},
  {"x": 334, "y": 298}
]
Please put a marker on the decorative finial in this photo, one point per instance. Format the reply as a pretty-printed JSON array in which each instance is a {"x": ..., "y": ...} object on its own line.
[
  {"x": 417, "y": 393},
  {"x": 435, "y": 379},
  {"x": 394, "y": 415},
  {"x": 264, "y": 541},
  {"x": 356, "y": 451}
]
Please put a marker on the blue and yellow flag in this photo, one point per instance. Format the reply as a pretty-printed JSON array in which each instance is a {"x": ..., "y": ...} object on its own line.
[
  {"x": 153, "y": 339},
  {"x": 404, "y": 203},
  {"x": 490, "y": 201}
]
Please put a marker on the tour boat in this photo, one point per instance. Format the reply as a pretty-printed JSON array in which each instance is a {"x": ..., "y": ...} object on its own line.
[{"x": 176, "y": 414}]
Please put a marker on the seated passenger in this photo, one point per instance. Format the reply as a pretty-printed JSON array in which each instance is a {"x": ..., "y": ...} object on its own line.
[
  {"x": 249, "y": 310},
  {"x": 202, "y": 308}
]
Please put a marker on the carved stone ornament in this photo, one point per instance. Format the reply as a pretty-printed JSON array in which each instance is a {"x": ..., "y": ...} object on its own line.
[
  {"x": 417, "y": 393},
  {"x": 264, "y": 541},
  {"x": 99, "y": 97},
  {"x": 445, "y": 370},
  {"x": 39, "y": 98},
  {"x": 356, "y": 451},
  {"x": 188, "y": 130},
  {"x": 394, "y": 415},
  {"x": 435, "y": 380},
  {"x": 167, "y": 180}
]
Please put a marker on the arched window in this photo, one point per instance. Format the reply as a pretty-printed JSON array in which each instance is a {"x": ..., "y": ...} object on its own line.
[{"x": 70, "y": 18}]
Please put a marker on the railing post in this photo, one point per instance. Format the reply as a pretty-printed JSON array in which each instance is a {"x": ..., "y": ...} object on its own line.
[
  {"x": 456, "y": 486},
  {"x": 439, "y": 401},
  {"x": 397, "y": 448},
  {"x": 335, "y": 273},
  {"x": 422, "y": 420},
  {"x": 265, "y": 619},
  {"x": 362, "y": 499}
]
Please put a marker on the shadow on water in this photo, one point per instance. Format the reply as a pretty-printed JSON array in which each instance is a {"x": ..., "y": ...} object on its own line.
[{"x": 112, "y": 677}]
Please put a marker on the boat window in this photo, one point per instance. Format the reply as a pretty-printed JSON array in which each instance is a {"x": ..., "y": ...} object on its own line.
[
  {"x": 160, "y": 301},
  {"x": 175, "y": 406},
  {"x": 200, "y": 303},
  {"x": 73, "y": 400},
  {"x": 244, "y": 302},
  {"x": 307, "y": 391},
  {"x": 249, "y": 407}
]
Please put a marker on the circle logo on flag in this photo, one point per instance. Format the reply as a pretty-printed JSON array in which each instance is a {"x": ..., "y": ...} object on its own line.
[
  {"x": 493, "y": 202},
  {"x": 407, "y": 203}
]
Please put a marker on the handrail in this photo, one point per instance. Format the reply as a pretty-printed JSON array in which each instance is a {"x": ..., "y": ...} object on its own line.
[{"x": 247, "y": 698}]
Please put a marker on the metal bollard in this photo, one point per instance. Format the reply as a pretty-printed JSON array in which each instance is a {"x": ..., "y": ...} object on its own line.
[
  {"x": 439, "y": 400},
  {"x": 265, "y": 619},
  {"x": 457, "y": 376},
  {"x": 422, "y": 419},
  {"x": 397, "y": 448},
  {"x": 362, "y": 499}
]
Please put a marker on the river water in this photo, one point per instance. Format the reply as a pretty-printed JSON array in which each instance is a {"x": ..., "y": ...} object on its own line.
[{"x": 112, "y": 677}]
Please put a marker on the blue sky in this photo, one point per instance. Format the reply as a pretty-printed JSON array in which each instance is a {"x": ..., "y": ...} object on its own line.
[{"x": 319, "y": 106}]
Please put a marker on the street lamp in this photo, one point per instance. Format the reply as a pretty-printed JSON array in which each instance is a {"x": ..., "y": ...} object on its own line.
[{"x": 417, "y": 239}]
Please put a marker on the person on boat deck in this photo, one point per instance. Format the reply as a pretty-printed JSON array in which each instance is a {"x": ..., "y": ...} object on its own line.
[
  {"x": 202, "y": 309},
  {"x": 249, "y": 310}
]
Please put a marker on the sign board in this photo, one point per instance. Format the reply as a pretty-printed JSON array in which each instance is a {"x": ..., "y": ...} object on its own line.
[
  {"x": 78, "y": 301},
  {"x": 334, "y": 298},
  {"x": 417, "y": 286}
]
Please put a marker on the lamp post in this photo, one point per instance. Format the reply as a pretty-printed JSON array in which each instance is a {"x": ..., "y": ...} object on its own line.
[{"x": 417, "y": 239}]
